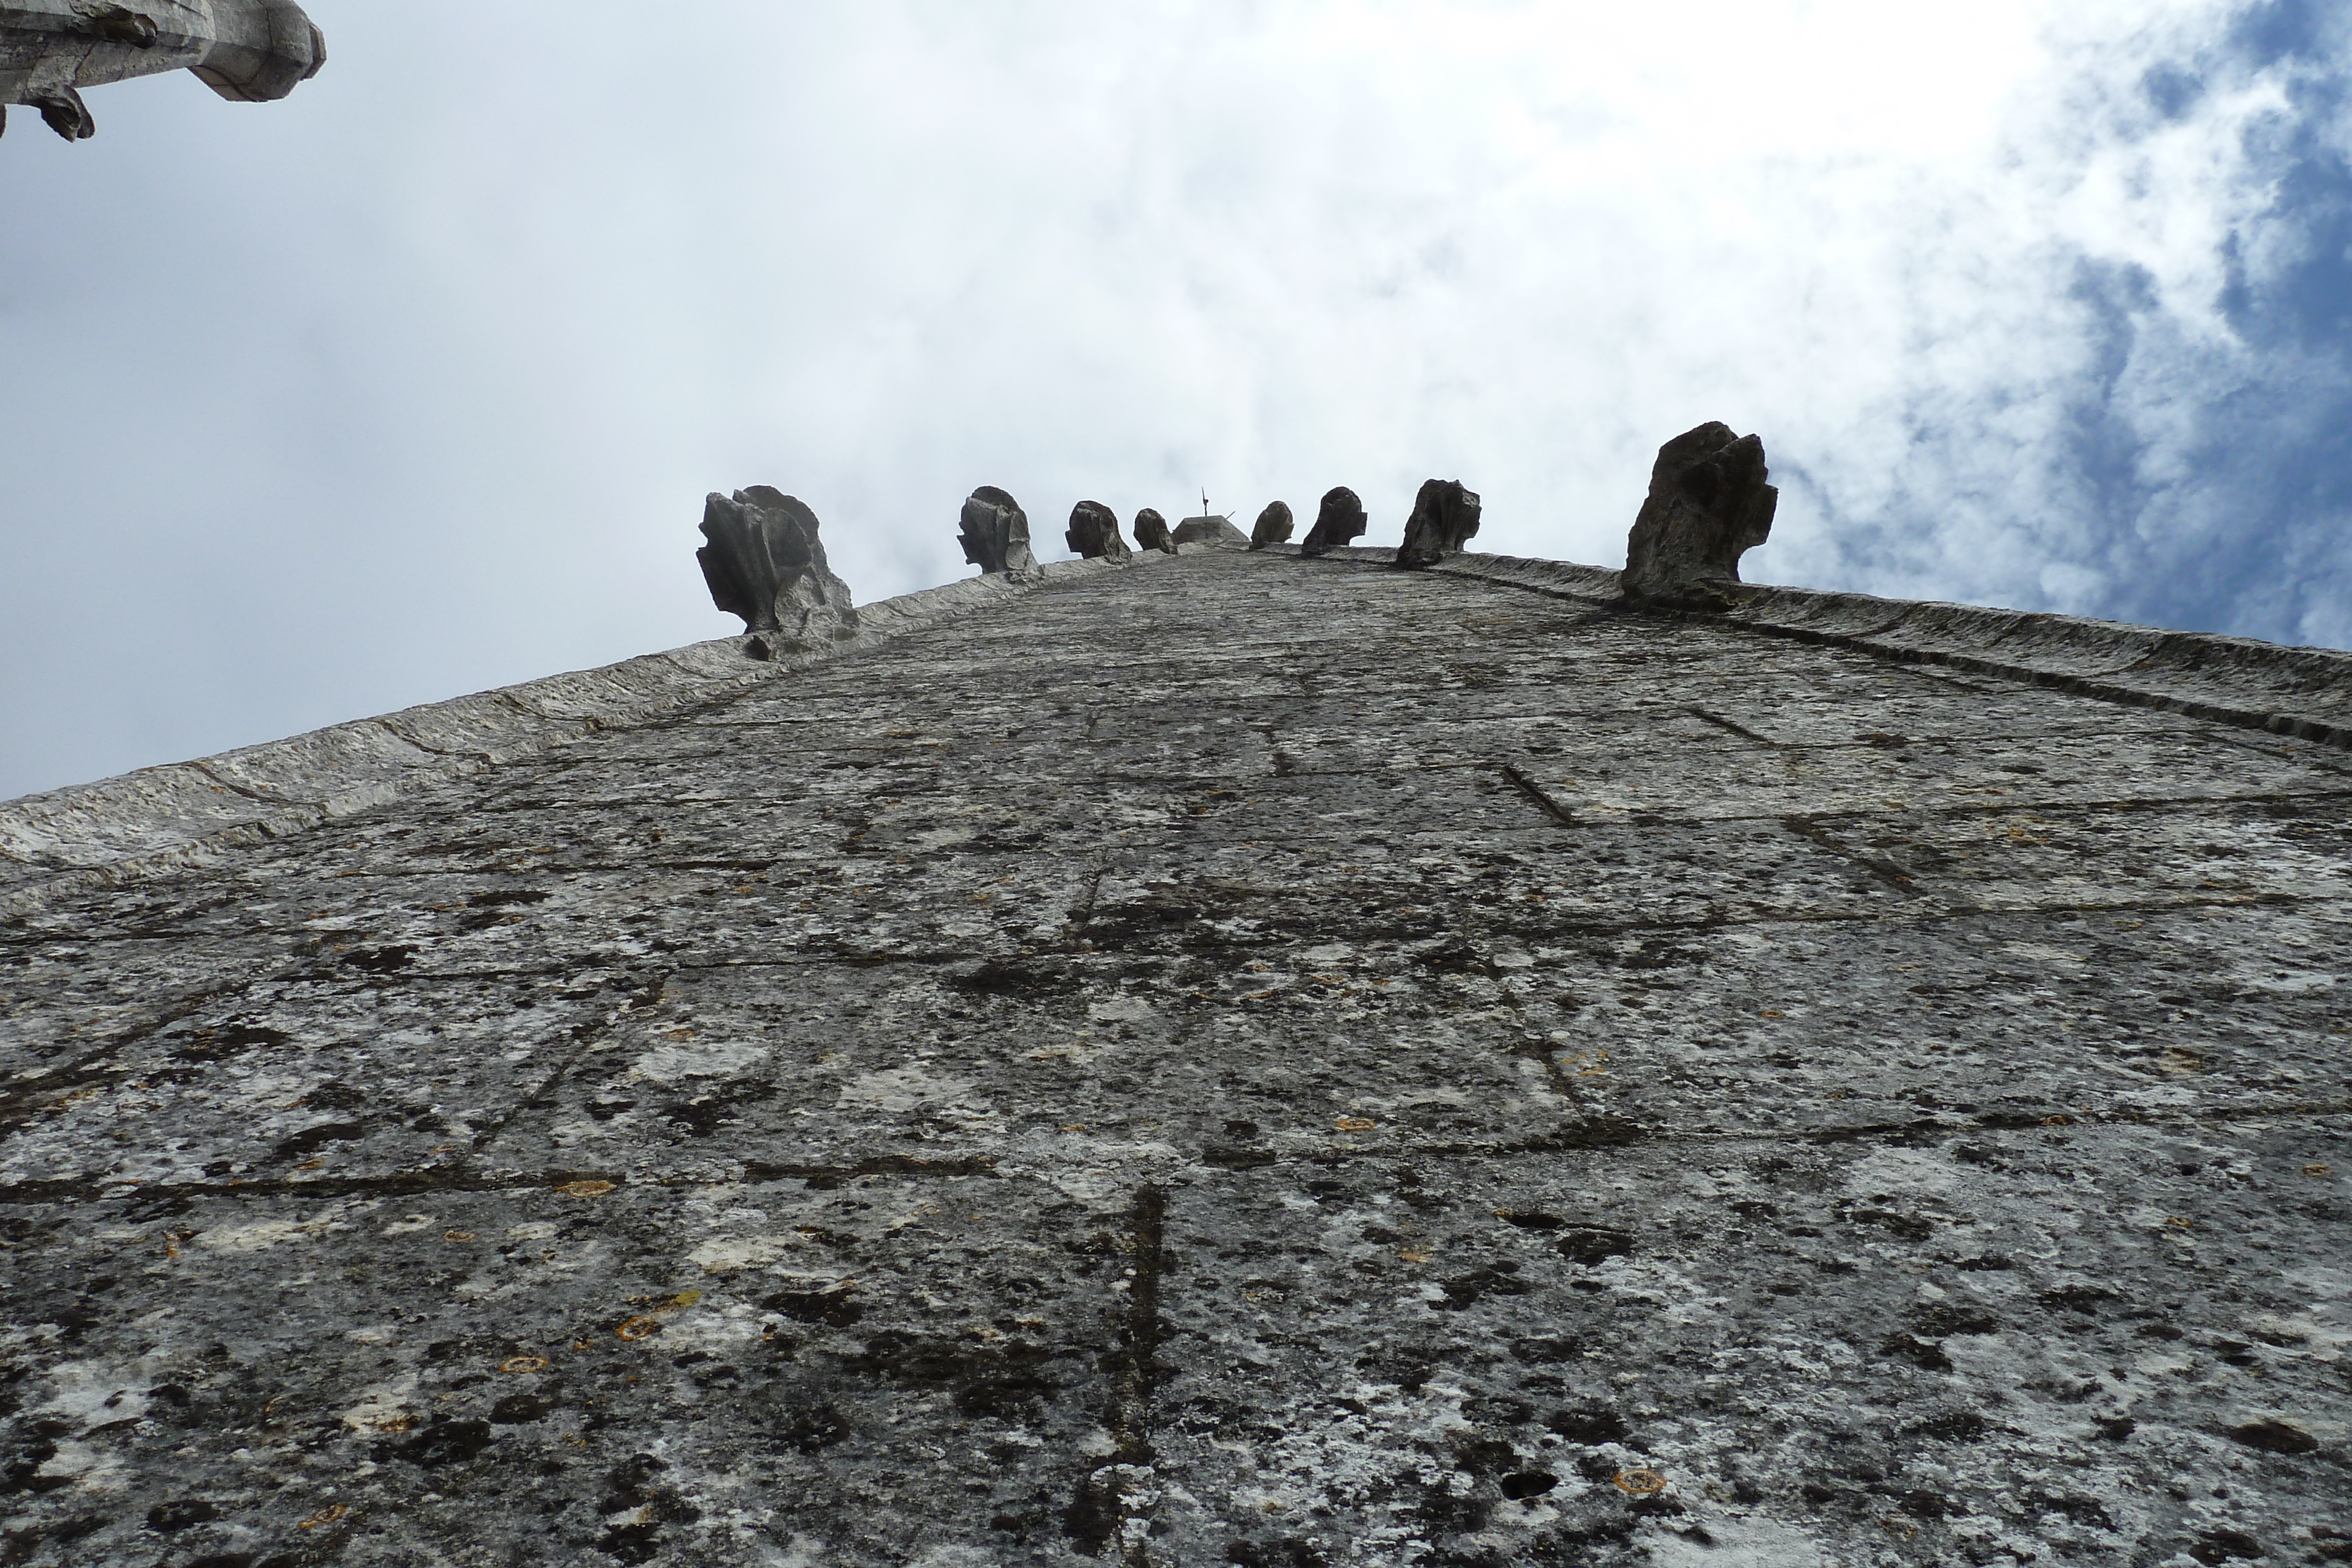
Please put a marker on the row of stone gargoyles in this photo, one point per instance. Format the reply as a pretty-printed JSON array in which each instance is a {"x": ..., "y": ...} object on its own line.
[
  {"x": 1709, "y": 504},
  {"x": 995, "y": 536}
]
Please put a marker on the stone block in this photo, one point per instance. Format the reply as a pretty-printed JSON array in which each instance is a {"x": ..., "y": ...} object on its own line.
[{"x": 1211, "y": 530}]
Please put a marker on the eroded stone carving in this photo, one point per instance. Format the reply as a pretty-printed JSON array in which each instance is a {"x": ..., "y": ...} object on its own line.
[
  {"x": 1274, "y": 525},
  {"x": 1215, "y": 531},
  {"x": 1338, "y": 522},
  {"x": 249, "y": 51},
  {"x": 1094, "y": 533},
  {"x": 1709, "y": 504},
  {"x": 1151, "y": 532},
  {"x": 1444, "y": 519},
  {"x": 995, "y": 536},
  {"x": 765, "y": 563}
]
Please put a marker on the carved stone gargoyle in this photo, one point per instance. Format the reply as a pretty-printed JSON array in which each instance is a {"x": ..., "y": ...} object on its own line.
[
  {"x": 1338, "y": 522},
  {"x": 1444, "y": 519},
  {"x": 1274, "y": 525},
  {"x": 995, "y": 536},
  {"x": 1709, "y": 504},
  {"x": 249, "y": 51},
  {"x": 765, "y": 563},
  {"x": 1151, "y": 532},
  {"x": 1094, "y": 533}
]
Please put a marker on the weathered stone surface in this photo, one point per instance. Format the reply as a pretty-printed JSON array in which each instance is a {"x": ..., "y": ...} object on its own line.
[
  {"x": 1094, "y": 532},
  {"x": 1340, "y": 521},
  {"x": 249, "y": 51},
  {"x": 1694, "y": 1096},
  {"x": 1708, "y": 505},
  {"x": 1444, "y": 519},
  {"x": 995, "y": 535},
  {"x": 1273, "y": 527},
  {"x": 765, "y": 563},
  {"x": 1151, "y": 532},
  {"x": 1218, "y": 531}
]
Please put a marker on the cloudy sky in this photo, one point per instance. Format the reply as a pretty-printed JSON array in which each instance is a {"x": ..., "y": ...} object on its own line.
[{"x": 412, "y": 384}]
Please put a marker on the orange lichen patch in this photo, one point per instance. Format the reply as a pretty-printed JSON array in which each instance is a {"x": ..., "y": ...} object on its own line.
[
  {"x": 459, "y": 1236},
  {"x": 2317, "y": 1170},
  {"x": 325, "y": 1516},
  {"x": 1641, "y": 1483},
  {"x": 1772, "y": 1013},
  {"x": 2057, "y": 1120},
  {"x": 522, "y": 1364},
  {"x": 1357, "y": 1123},
  {"x": 585, "y": 1188},
  {"x": 639, "y": 1328}
]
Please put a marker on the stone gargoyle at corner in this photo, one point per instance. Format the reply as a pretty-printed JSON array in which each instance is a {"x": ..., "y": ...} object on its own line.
[
  {"x": 249, "y": 51},
  {"x": 1708, "y": 505},
  {"x": 765, "y": 563}
]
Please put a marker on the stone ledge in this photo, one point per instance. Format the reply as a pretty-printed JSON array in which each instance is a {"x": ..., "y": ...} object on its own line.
[
  {"x": 2302, "y": 691},
  {"x": 182, "y": 814}
]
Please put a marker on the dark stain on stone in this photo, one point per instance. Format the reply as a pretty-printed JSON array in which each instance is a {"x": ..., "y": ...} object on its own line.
[
  {"x": 1466, "y": 1289},
  {"x": 1593, "y": 1244},
  {"x": 381, "y": 960},
  {"x": 811, "y": 1429},
  {"x": 2216, "y": 1546},
  {"x": 1591, "y": 1425},
  {"x": 1954, "y": 1426},
  {"x": 2274, "y": 1437},
  {"x": 310, "y": 1140},
  {"x": 169, "y": 1517},
  {"x": 446, "y": 1441},
  {"x": 835, "y": 1307},
  {"x": 1916, "y": 1350},
  {"x": 996, "y": 978}
]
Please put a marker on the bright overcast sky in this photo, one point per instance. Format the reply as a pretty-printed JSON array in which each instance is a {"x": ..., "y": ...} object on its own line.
[{"x": 412, "y": 384}]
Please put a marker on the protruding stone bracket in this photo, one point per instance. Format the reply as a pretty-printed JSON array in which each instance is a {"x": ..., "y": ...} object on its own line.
[
  {"x": 1338, "y": 522},
  {"x": 995, "y": 536},
  {"x": 1444, "y": 519},
  {"x": 1708, "y": 505},
  {"x": 1274, "y": 525},
  {"x": 1094, "y": 533},
  {"x": 1151, "y": 532},
  {"x": 765, "y": 563},
  {"x": 249, "y": 51}
]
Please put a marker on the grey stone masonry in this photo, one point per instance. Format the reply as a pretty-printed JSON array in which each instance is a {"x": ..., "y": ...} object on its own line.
[
  {"x": 249, "y": 51},
  {"x": 1239, "y": 1059}
]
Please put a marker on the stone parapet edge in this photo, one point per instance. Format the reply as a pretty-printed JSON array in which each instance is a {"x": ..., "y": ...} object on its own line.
[
  {"x": 2306, "y": 693},
  {"x": 185, "y": 814}
]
